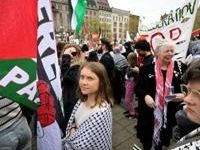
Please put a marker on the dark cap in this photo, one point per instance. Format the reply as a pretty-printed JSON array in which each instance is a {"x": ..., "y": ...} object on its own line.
[{"x": 143, "y": 45}]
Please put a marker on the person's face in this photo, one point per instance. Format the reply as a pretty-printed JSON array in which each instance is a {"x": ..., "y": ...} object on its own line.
[
  {"x": 141, "y": 52},
  {"x": 88, "y": 82},
  {"x": 72, "y": 52},
  {"x": 166, "y": 54},
  {"x": 95, "y": 39},
  {"x": 103, "y": 47},
  {"x": 192, "y": 101}
]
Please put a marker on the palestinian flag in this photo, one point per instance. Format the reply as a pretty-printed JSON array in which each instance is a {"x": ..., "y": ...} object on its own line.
[
  {"x": 78, "y": 14},
  {"x": 28, "y": 54},
  {"x": 18, "y": 51}
]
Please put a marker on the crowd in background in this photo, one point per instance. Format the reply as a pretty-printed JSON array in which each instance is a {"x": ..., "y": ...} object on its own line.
[
  {"x": 137, "y": 73},
  {"x": 97, "y": 75}
]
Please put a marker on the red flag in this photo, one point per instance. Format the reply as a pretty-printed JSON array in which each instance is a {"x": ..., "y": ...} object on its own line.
[
  {"x": 18, "y": 48},
  {"x": 18, "y": 28}
]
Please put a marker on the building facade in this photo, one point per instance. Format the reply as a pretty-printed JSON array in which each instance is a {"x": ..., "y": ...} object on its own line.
[
  {"x": 105, "y": 18},
  {"x": 92, "y": 9},
  {"x": 100, "y": 18},
  {"x": 61, "y": 15},
  {"x": 133, "y": 25},
  {"x": 91, "y": 22},
  {"x": 120, "y": 24}
]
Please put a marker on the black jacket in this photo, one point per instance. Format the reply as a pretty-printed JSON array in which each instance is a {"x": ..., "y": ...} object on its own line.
[
  {"x": 69, "y": 86},
  {"x": 108, "y": 63},
  {"x": 147, "y": 86},
  {"x": 114, "y": 76}
]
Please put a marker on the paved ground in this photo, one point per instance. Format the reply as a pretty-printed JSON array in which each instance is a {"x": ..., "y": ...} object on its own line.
[{"x": 124, "y": 133}]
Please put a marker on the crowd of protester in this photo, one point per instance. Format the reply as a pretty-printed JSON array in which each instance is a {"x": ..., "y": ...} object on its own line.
[
  {"x": 98, "y": 75},
  {"x": 129, "y": 73}
]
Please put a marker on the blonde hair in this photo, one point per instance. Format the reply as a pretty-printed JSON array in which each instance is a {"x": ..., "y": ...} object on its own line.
[
  {"x": 79, "y": 58},
  {"x": 132, "y": 59}
]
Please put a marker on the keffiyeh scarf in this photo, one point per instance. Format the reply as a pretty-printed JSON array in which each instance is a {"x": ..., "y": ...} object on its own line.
[{"x": 162, "y": 90}]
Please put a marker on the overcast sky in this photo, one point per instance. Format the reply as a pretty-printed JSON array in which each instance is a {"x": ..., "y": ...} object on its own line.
[{"x": 147, "y": 8}]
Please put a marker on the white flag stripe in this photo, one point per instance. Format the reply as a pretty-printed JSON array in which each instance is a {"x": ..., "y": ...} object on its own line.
[
  {"x": 74, "y": 20},
  {"x": 48, "y": 137}
]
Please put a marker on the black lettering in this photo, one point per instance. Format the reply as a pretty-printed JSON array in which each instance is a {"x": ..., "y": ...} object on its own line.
[
  {"x": 192, "y": 9},
  {"x": 170, "y": 18},
  {"x": 45, "y": 16}
]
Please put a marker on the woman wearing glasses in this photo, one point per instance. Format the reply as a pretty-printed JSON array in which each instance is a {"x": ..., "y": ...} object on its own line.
[
  {"x": 192, "y": 109},
  {"x": 72, "y": 58},
  {"x": 156, "y": 115}
]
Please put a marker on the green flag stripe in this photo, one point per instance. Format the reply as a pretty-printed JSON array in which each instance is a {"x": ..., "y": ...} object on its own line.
[
  {"x": 80, "y": 10},
  {"x": 18, "y": 76}
]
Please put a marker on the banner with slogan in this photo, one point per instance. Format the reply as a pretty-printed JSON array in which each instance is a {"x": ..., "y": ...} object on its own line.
[
  {"x": 49, "y": 128},
  {"x": 176, "y": 25},
  {"x": 18, "y": 51}
]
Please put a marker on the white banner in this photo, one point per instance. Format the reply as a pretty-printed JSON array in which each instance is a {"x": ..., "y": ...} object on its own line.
[
  {"x": 48, "y": 135},
  {"x": 47, "y": 47},
  {"x": 175, "y": 24}
]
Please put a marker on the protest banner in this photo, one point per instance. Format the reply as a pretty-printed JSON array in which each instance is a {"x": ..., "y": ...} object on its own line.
[{"x": 176, "y": 25}]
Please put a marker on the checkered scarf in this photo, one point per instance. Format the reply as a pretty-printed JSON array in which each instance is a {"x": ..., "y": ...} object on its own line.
[
  {"x": 95, "y": 133},
  {"x": 162, "y": 90}
]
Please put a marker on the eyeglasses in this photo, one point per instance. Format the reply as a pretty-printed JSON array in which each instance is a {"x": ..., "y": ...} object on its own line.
[
  {"x": 74, "y": 53},
  {"x": 187, "y": 90}
]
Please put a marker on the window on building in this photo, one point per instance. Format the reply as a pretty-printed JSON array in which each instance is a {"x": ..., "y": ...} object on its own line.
[
  {"x": 60, "y": 6},
  {"x": 55, "y": 6},
  {"x": 125, "y": 34},
  {"x": 61, "y": 19},
  {"x": 126, "y": 25}
]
